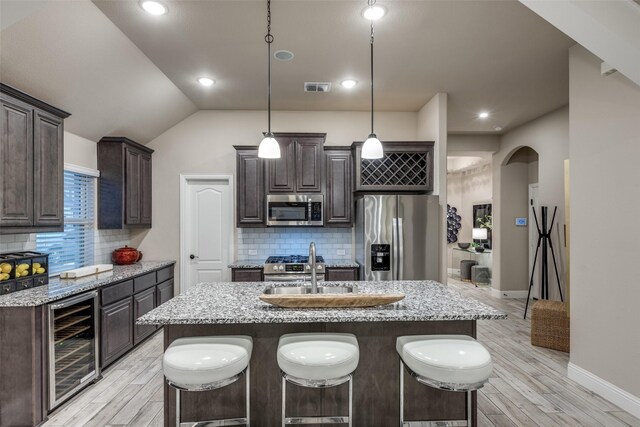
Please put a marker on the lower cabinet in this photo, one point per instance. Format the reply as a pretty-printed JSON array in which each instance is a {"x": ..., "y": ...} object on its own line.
[
  {"x": 247, "y": 275},
  {"x": 123, "y": 303},
  {"x": 116, "y": 330},
  {"x": 341, "y": 274},
  {"x": 165, "y": 292},
  {"x": 143, "y": 302}
]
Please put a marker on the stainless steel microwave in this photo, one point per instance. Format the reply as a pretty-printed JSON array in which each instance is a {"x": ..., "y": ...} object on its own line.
[{"x": 294, "y": 210}]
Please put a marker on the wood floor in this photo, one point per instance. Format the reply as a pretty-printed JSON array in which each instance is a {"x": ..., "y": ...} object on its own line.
[{"x": 529, "y": 386}]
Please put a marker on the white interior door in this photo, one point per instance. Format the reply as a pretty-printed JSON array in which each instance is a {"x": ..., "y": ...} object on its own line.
[
  {"x": 208, "y": 231},
  {"x": 533, "y": 238}
]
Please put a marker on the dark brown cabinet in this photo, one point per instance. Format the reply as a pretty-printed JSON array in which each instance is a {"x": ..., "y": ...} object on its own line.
[
  {"x": 405, "y": 167},
  {"x": 250, "y": 193},
  {"x": 124, "y": 189},
  {"x": 164, "y": 292},
  {"x": 143, "y": 302},
  {"x": 341, "y": 274},
  {"x": 31, "y": 164},
  {"x": 247, "y": 274},
  {"x": 338, "y": 210},
  {"x": 116, "y": 330},
  {"x": 123, "y": 303},
  {"x": 299, "y": 169}
]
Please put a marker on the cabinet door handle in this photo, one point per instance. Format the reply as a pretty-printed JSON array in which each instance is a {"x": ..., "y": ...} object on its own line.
[{"x": 192, "y": 256}]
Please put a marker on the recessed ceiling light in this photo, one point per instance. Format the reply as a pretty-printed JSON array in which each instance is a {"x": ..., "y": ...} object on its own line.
[
  {"x": 374, "y": 13},
  {"x": 154, "y": 7},
  {"x": 206, "y": 81},
  {"x": 498, "y": 128},
  {"x": 283, "y": 55},
  {"x": 349, "y": 83},
  {"x": 483, "y": 115}
]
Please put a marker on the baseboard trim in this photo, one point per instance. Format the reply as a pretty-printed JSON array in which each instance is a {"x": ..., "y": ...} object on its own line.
[
  {"x": 497, "y": 293},
  {"x": 611, "y": 392}
]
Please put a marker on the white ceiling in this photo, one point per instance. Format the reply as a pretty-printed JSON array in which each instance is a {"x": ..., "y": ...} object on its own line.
[
  {"x": 119, "y": 70},
  {"x": 70, "y": 55}
]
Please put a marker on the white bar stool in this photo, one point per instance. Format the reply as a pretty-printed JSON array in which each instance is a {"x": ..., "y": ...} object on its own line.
[
  {"x": 208, "y": 363},
  {"x": 446, "y": 362},
  {"x": 318, "y": 360}
]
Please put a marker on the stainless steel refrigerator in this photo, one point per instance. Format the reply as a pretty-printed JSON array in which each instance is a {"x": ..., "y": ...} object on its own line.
[{"x": 398, "y": 237}]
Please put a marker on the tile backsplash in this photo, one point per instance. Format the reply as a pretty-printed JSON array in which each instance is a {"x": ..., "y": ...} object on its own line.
[
  {"x": 105, "y": 241},
  {"x": 260, "y": 243}
]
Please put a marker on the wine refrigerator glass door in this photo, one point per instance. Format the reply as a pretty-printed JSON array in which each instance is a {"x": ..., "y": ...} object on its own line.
[{"x": 73, "y": 346}]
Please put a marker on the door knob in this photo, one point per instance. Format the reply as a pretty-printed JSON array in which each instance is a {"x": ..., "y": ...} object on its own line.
[{"x": 192, "y": 256}]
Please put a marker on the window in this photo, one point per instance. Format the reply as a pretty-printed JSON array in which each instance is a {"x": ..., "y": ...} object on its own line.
[{"x": 72, "y": 248}]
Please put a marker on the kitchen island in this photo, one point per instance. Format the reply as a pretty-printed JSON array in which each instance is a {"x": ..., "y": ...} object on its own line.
[{"x": 234, "y": 308}]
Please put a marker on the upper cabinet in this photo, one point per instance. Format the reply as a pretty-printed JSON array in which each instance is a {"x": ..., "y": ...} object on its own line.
[
  {"x": 299, "y": 169},
  {"x": 338, "y": 199},
  {"x": 31, "y": 164},
  {"x": 124, "y": 190},
  {"x": 250, "y": 203},
  {"x": 405, "y": 167}
]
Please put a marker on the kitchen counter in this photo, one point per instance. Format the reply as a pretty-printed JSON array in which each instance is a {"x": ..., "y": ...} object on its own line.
[
  {"x": 213, "y": 309},
  {"x": 62, "y": 288},
  {"x": 225, "y": 303},
  {"x": 340, "y": 263},
  {"x": 254, "y": 263}
]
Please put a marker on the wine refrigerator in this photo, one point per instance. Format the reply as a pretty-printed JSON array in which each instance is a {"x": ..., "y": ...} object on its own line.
[{"x": 73, "y": 346}]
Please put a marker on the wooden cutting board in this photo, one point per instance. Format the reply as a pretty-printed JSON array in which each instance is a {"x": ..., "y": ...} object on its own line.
[{"x": 331, "y": 300}]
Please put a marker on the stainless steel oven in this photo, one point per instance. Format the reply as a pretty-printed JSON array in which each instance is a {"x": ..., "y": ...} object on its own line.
[
  {"x": 73, "y": 346},
  {"x": 291, "y": 210}
]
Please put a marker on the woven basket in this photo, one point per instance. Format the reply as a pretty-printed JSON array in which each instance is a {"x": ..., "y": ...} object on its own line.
[{"x": 550, "y": 325}]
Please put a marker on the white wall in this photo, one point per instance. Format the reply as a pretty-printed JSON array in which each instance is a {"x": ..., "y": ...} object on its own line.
[
  {"x": 605, "y": 201},
  {"x": 203, "y": 144},
  {"x": 80, "y": 151},
  {"x": 432, "y": 126},
  {"x": 465, "y": 189},
  {"x": 549, "y": 137}
]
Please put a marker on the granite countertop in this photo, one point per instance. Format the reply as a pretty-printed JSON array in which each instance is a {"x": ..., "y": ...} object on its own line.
[
  {"x": 224, "y": 303},
  {"x": 62, "y": 288},
  {"x": 250, "y": 263},
  {"x": 340, "y": 263},
  {"x": 331, "y": 263}
]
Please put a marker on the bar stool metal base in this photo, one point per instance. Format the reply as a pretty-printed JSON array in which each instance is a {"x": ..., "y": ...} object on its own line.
[
  {"x": 341, "y": 419},
  {"x": 468, "y": 422},
  {"x": 220, "y": 422}
]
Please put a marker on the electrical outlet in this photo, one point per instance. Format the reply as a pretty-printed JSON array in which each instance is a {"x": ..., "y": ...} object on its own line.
[
  {"x": 253, "y": 252},
  {"x": 341, "y": 252}
]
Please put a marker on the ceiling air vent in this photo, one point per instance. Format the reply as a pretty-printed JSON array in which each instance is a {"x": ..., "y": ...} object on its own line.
[{"x": 317, "y": 87}]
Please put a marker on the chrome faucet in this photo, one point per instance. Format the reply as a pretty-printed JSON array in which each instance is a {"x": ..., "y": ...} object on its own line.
[{"x": 312, "y": 264}]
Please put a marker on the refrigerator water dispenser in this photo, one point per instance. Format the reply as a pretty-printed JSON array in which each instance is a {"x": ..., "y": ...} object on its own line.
[{"x": 380, "y": 257}]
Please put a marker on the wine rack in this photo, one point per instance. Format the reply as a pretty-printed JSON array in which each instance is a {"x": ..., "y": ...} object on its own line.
[{"x": 405, "y": 167}]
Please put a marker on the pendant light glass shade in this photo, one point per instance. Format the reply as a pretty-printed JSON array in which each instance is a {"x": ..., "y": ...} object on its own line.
[
  {"x": 372, "y": 148},
  {"x": 269, "y": 147}
]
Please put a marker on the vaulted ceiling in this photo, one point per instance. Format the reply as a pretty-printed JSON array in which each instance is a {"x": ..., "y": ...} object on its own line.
[{"x": 117, "y": 68}]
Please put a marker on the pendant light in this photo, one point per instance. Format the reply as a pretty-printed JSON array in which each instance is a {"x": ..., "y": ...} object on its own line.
[
  {"x": 269, "y": 147},
  {"x": 372, "y": 147}
]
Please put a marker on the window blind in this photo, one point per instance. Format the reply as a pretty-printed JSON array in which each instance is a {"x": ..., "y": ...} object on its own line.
[{"x": 74, "y": 247}]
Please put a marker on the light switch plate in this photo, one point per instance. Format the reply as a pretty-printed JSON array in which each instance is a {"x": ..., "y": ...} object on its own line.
[
  {"x": 253, "y": 252},
  {"x": 341, "y": 252}
]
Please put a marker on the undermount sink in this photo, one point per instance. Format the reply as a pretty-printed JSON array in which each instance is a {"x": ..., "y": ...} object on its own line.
[{"x": 300, "y": 290}]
